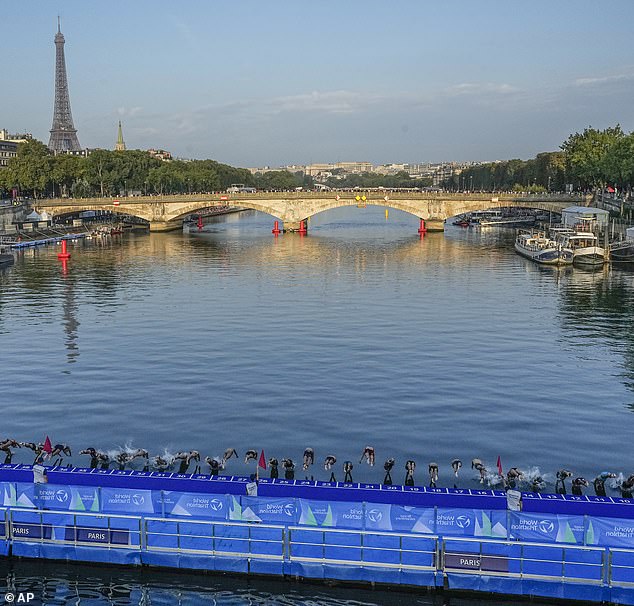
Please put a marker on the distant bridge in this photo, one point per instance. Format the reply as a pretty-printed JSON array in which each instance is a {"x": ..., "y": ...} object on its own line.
[{"x": 166, "y": 213}]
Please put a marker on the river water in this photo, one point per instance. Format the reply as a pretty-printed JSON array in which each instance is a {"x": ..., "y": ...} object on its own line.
[{"x": 360, "y": 333}]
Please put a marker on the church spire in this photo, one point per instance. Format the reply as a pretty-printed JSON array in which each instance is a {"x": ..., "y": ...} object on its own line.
[{"x": 120, "y": 146}]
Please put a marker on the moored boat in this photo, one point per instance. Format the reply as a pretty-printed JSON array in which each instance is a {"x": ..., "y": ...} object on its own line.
[
  {"x": 541, "y": 249},
  {"x": 585, "y": 248},
  {"x": 623, "y": 251},
  {"x": 6, "y": 256}
]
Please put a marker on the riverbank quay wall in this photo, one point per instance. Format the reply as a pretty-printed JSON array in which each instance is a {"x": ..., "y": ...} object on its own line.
[{"x": 558, "y": 546}]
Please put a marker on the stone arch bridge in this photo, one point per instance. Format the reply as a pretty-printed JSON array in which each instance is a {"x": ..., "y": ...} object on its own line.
[{"x": 166, "y": 213}]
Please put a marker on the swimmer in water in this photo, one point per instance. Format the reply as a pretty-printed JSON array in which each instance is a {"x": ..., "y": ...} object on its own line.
[
  {"x": 479, "y": 466},
  {"x": 388, "y": 465},
  {"x": 58, "y": 451},
  {"x": 230, "y": 452},
  {"x": 347, "y": 470},
  {"x": 289, "y": 469},
  {"x": 433, "y": 474},
  {"x": 309, "y": 458},
  {"x": 38, "y": 449},
  {"x": 599, "y": 482},
  {"x": 456, "y": 464},
  {"x": 513, "y": 476},
  {"x": 368, "y": 455},
  {"x": 537, "y": 484},
  {"x": 410, "y": 466},
  {"x": 6, "y": 446},
  {"x": 273, "y": 465},
  {"x": 578, "y": 484},
  {"x": 329, "y": 461},
  {"x": 185, "y": 458},
  {"x": 214, "y": 465},
  {"x": 560, "y": 484},
  {"x": 96, "y": 457},
  {"x": 161, "y": 464},
  {"x": 250, "y": 455},
  {"x": 627, "y": 487}
]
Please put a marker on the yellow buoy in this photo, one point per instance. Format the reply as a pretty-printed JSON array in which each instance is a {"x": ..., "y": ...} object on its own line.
[{"x": 386, "y": 213}]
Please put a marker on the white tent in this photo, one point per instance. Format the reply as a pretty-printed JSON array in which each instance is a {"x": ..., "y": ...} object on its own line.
[
  {"x": 630, "y": 233},
  {"x": 34, "y": 216}
]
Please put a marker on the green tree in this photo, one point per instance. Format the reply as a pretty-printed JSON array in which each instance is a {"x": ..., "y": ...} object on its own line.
[{"x": 586, "y": 152}]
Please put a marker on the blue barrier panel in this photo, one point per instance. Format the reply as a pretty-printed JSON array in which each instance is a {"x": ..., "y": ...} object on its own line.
[
  {"x": 583, "y": 564},
  {"x": 331, "y": 514},
  {"x": 543, "y": 561},
  {"x": 342, "y": 546},
  {"x": 418, "y": 551},
  {"x": 194, "y": 504},
  {"x": 268, "y": 510},
  {"x": 234, "y": 539},
  {"x": 197, "y": 537},
  {"x": 610, "y": 532},
  {"x": 381, "y": 548},
  {"x": 306, "y": 543},
  {"x": 267, "y": 540},
  {"x": 161, "y": 534},
  {"x": 544, "y": 528},
  {"x": 621, "y": 566}
]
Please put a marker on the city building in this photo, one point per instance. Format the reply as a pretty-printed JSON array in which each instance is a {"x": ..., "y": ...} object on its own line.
[
  {"x": 120, "y": 145},
  {"x": 160, "y": 154},
  {"x": 8, "y": 150},
  {"x": 19, "y": 138}
]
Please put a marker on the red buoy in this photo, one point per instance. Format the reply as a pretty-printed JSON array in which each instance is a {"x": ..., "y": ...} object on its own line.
[
  {"x": 302, "y": 228},
  {"x": 276, "y": 228},
  {"x": 64, "y": 255},
  {"x": 422, "y": 230}
]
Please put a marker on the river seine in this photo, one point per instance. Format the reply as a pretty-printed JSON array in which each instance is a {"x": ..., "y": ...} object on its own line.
[{"x": 360, "y": 333}]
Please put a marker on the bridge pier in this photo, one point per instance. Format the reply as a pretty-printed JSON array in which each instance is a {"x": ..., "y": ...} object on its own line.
[
  {"x": 434, "y": 225},
  {"x": 294, "y": 226},
  {"x": 161, "y": 226}
]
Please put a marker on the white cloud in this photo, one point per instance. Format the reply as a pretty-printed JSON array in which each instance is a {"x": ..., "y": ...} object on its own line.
[{"x": 603, "y": 80}]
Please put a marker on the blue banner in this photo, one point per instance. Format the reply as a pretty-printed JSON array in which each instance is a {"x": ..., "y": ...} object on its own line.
[
  {"x": 67, "y": 498},
  {"x": 124, "y": 500},
  {"x": 379, "y": 516},
  {"x": 25, "y": 495},
  {"x": 471, "y": 523},
  {"x": 610, "y": 532},
  {"x": 545, "y": 528},
  {"x": 197, "y": 505},
  {"x": 331, "y": 514},
  {"x": 269, "y": 510}
]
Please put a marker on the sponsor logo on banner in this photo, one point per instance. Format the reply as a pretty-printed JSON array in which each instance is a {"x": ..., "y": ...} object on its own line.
[
  {"x": 138, "y": 499},
  {"x": 546, "y": 526},
  {"x": 463, "y": 522},
  {"x": 215, "y": 504},
  {"x": 375, "y": 515},
  {"x": 61, "y": 496}
]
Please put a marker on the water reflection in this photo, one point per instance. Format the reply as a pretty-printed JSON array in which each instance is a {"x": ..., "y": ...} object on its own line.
[{"x": 56, "y": 584}]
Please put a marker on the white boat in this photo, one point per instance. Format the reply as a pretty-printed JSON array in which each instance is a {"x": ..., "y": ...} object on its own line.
[
  {"x": 537, "y": 247},
  {"x": 585, "y": 248}
]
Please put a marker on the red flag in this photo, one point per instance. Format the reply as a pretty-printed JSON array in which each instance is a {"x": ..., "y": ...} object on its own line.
[
  {"x": 500, "y": 466},
  {"x": 47, "y": 448},
  {"x": 262, "y": 461}
]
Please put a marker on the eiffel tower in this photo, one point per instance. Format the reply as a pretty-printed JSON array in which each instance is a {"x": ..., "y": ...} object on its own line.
[{"x": 63, "y": 133}]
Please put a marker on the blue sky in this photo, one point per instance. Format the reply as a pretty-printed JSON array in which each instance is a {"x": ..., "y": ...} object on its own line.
[{"x": 255, "y": 83}]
